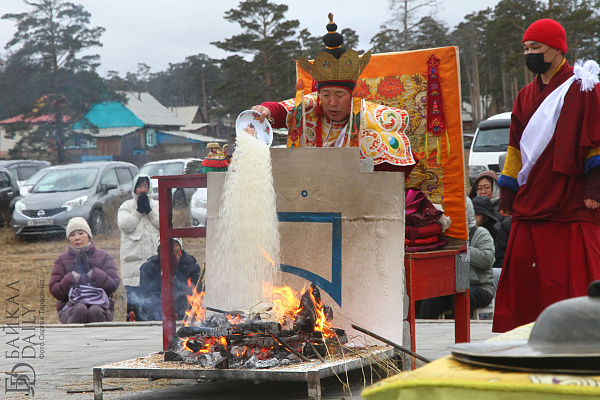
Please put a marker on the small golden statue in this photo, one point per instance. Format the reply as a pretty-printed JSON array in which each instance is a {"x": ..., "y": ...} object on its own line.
[{"x": 216, "y": 159}]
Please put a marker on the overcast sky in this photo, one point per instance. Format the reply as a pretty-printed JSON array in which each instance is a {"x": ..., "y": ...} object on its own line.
[{"x": 159, "y": 32}]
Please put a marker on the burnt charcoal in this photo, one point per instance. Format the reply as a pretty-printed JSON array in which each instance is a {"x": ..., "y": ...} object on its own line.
[
  {"x": 301, "y": 337},
  {"x": 288, "y": 324},
  {"x": 342, "y": 338},
  {"x": 202, "y": 331},
  {"x": 216, "y": 321},
  {"x": 222, "y": 364},
  {"x": 328, "y": 313},
  {"x": 238, "y": 351},
  {"x": 211, "y": 360},
  {"x": 175, "y": 344},
  {"x": 319, "y": 347},
  {"x": 305, "y": 321},
  {"x": 292, "y": 358},
  {"x": 307, "y": 316},
  {"x": 253, "y": 340},
  {"x": 257, "y": 326},
  {"x": 195, "y": 345},
  {"x": 172, "y": 356},
  {"x": 254, "y": 362}
]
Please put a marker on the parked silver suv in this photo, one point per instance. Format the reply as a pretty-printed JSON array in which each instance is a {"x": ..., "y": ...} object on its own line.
[{"x": 89, "y": 190}]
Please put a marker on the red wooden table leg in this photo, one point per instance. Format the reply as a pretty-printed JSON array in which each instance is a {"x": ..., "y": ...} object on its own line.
[
  {"x": 411, "y": 302},
  {"x": 411, "y": 321},
  {"x": 462, "y": 317}
]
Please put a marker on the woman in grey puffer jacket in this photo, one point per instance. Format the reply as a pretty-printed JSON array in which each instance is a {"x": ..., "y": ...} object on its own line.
[{"x": 481, "y": 258}]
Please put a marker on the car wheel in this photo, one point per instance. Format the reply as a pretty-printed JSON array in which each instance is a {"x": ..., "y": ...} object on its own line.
[
  {"x": 179, "y": 199},
  {"x": 97, "y": 221}
]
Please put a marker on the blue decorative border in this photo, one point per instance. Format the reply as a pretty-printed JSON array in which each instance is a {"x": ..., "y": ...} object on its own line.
[{"x": 333, "y": 288}]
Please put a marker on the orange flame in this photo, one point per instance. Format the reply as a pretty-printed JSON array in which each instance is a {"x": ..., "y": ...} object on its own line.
[
  {"x": 234, "y": 319},
  {"x": 208, "y": 345},
  {"x": 285, "y": 301},
  {"x": 239, "y": 351},
  {"x": 286, "y": 304},
  {"x": 266, "y": 255},
  {"x": 197, "y": 310},
  {"x": 321, "y": 323}
]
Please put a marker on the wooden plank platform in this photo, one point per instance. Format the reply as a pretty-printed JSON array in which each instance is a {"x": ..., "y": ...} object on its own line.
[{"x": 153, "y": 367}]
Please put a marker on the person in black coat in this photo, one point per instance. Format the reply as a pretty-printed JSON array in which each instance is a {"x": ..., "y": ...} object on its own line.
[
  {"x": 150, "y": 284},
  {"x": 484, "y": 215}
]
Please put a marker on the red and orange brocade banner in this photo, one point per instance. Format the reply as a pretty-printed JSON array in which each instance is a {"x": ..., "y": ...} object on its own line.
[{"x": 401, "y": 80}]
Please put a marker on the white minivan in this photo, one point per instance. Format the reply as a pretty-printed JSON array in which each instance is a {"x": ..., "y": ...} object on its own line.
[{"x": 489, "y": 143}]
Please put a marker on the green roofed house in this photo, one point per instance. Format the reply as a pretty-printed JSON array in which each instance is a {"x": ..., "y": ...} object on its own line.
[{"x": 138, "y": 131}]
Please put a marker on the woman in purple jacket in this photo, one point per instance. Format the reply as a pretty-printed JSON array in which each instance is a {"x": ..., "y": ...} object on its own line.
[{"x": 79, "y": 274}]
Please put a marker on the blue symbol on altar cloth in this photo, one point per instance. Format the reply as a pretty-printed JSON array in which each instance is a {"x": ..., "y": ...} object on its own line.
[{"x": 333, "y": 287}]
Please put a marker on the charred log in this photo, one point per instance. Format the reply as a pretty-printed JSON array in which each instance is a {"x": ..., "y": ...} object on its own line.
[
  {"x": 257, "y": 326},
  {"x": 202, "y": 331},
  {"x": 340, "y": 334},
  {"x": 328, "y": 313},
  {"x": 246, "y": 328},
  {"x": 315, "y": 350},
  {"x": 172, "y": 356},
  {"x": 252, "y": 340},
  {"x": 307, "y": 315}
]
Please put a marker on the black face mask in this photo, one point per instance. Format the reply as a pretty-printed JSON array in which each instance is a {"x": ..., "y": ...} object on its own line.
[{"x": 536, "y": 64}]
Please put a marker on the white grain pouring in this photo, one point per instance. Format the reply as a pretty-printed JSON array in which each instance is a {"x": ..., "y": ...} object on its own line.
[{"x": 247, "y": 225}]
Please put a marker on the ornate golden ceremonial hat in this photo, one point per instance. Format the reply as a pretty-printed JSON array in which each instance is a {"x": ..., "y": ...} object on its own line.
[{"x": 336, "y": 66}]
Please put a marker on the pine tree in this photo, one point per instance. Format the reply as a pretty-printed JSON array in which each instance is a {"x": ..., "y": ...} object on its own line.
[
  {"x": 270, "y": 40},
  {"x": 51, "y": 39}
]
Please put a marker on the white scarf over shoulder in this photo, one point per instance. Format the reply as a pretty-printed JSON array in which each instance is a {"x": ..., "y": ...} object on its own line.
[{"x": 540, "y": 128}]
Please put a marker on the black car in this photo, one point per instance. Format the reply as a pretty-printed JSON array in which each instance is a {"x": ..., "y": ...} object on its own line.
[
  {"x": 9, "y": 191},
  {"x": 23, "y": 169}
]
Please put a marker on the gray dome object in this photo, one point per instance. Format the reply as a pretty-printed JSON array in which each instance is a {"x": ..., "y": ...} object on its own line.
[{"x": 564, "y": 338}]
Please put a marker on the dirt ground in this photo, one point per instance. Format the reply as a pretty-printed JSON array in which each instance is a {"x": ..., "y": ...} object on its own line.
[{"x": 26, "y": 264}]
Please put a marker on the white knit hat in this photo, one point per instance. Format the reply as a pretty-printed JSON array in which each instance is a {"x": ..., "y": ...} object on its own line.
[
  {"x": 78, "y": 223},
  {"x": 178, "y": 240}
]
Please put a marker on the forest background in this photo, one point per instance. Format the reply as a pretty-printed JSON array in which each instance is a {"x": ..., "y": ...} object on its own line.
[{"x": 48, "y": 67}]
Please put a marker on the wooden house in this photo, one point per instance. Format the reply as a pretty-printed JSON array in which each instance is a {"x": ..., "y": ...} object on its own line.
[{"x": 137, "y": 131}]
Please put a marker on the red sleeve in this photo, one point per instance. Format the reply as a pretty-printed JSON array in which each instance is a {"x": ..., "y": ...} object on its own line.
[
  {"x": 592, "y": 191},
  {"x": 278, "y": 113},
  {"x": 507, "y": 196}
]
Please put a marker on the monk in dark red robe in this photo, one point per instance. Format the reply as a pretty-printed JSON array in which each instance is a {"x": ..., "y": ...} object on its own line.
[{"x": 553, "y": 251}]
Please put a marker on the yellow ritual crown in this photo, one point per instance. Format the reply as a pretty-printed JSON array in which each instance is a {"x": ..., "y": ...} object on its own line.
[{"x": 335, "y": 66}]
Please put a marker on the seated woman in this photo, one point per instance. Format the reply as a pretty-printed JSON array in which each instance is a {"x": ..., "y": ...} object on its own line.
[
  {"x": 481, "y": 252},
  {"x": 149, "y": 301},
  {"x": 83, "y": 278},
  {"x": 484, "y": 215}
]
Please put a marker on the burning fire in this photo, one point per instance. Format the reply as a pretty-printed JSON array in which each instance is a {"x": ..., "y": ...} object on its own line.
[
  {"x": 287, "y": 304},
  {"x": 196, "y": 346},
  {"x": 197, "y": 312},
  {"x": 321, "y": 322}
]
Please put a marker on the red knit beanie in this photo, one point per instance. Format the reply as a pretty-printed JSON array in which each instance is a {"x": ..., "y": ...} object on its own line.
[{"x": 548, "y": 32}]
